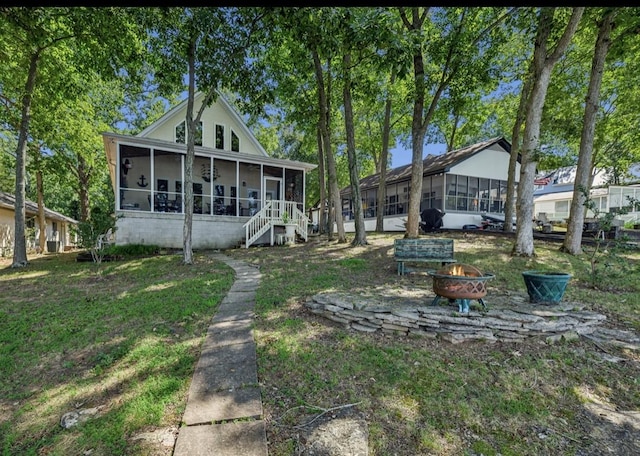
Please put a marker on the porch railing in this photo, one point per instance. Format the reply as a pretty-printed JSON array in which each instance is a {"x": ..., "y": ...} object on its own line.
[{"x": 270, "y": 216}]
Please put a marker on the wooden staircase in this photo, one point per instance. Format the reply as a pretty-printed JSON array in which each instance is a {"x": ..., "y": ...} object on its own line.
[{"x": 270, "y": 216}]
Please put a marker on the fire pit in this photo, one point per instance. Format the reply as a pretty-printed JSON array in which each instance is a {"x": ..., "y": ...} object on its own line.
[{"x": 460, "y": 283}]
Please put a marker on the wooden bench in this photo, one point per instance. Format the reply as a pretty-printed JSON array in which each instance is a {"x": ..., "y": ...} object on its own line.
[{"x": 422, "y": 250}]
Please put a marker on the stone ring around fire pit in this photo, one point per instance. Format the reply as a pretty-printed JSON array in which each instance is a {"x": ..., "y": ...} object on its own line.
[{"x": 460, "y": 283}]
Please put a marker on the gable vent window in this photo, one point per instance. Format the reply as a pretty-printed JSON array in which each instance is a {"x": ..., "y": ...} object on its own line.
[
  {"x": 235, "y": 142},
  {"x": 219, "y": 139}
]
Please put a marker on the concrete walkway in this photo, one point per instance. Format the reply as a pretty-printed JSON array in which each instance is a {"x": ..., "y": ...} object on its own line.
[{"x": 223, "y": 416}]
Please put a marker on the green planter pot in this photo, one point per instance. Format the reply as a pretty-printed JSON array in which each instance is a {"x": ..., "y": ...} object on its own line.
[{"x": 545, "y": 287}]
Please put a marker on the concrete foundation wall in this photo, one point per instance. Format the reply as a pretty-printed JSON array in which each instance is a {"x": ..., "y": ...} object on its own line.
[{"x": 165, "y": 230}]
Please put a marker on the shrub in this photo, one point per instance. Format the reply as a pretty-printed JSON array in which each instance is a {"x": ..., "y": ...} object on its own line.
[{"x": 132, "y": 250}]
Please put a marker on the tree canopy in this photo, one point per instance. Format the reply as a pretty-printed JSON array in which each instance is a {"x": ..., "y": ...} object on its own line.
[{"x": 413, "y": 76}]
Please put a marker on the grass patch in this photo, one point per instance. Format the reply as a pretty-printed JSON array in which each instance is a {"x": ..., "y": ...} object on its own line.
[
  {"x": 123, "y": 337},
  {"x": 422, "y": 396}
]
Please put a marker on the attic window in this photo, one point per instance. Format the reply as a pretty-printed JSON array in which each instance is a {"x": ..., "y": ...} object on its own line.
[
  {"x": 219, "y": 136},
  {"x": 235, "y": 142},
  {"x": 198, "y": 138},
  {"x": 181, "y": 133}
]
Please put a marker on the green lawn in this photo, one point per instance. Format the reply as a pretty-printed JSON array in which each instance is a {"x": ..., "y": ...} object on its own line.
[
  {"x": 421, "y": 396},
  {"x": 125, "y": 337}
]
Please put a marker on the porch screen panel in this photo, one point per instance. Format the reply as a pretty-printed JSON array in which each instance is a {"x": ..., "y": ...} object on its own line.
[
  {"x": 495, "y": 195},
  {"x": 202, "y": 185},
  {"x": 135, "y": 178},
  {"x": 484, "y": 195},
  {"x": 437, "y": 190},
  {"x": 370, "y": 203},
  {"x": 427, "y": 199},
  {"x": 615, "y": 198},
  {"x": 503, "y": 195},
  {"x": 403, "y": 206},
  {"x": 250, "y": 177},
  {"x": 347, "y": 211},
  {"x": 225, "y": 188},
  {"x": 474, "y": 194},
  {"x": 167, "y": 183},
  {"x": 452, "y": 184},
  {"x": 294, "y": 186},
  {"x": 462, "y": 191},
  {"x": 391, "y": 203},
  {"x": 629, "y": 198}
]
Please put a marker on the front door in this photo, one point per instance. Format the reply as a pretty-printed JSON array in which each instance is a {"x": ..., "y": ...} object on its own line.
[{"x": 272, "y": 189}]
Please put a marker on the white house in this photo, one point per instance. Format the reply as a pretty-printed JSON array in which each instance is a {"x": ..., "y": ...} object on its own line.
[
  {"x": 59, "y": 233},
  {"x": 554, "y": 193},
  {"x": 464, "y": 183},
  {"x": 240, "y": 193}
]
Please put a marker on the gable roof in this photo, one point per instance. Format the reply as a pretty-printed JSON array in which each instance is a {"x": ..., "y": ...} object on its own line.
[
  {"x": 434, "y": 164},
  {"x": 8, "y": 201},
  {"x": 225, "y": 105}
]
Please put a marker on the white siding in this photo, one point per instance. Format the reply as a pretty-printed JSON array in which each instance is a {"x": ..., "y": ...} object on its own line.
[
  {"x": 491, "y": 163},
  {"x": 215, "y": 114}
]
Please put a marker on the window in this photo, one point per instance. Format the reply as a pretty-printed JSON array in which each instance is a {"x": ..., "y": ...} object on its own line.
[
  {"x": 561, "y": 209},
  {"x": 181, "y": 133},
  {"x": 235, "y": 142},
  {"x": 219, "y": 136},
  {"x": 198, "y": 139}
]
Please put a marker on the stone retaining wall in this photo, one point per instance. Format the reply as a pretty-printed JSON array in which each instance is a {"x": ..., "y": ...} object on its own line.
[{"x": 512, "y": 323}]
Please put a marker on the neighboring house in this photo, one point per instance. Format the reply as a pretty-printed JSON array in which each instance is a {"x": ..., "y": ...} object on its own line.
[
  {"x": 464, "y": 183},
  {"x": 58, "y": 227},
  {"x": 554, "y": 192},
  {"x": 240, "y": 193}
]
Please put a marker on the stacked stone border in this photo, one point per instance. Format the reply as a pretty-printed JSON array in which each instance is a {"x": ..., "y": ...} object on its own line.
[{"x": 568, "y": 321}]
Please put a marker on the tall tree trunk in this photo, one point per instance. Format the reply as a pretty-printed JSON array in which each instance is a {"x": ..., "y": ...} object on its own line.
[
  {"x": 20, "y": 242},
  {"x": 187, "y": 250},
  {"x": 323, "y": 216},
  {"x": 354, "y": 174},
  {"x": 334, "y": 190},
  {"x": 42, "y": 223},
  {"x": 384, "y": 158},
  {"x": 582, "y": 185},
  {"x": 84, "y": 176},
  {"x": 510, "y": 204},
  {"x": 417, "y": 147},
  {"x": 420, "y": 120},
  {"x": 542, "y": 67}
]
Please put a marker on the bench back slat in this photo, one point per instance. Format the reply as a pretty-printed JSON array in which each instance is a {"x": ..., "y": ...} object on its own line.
[{"x": 423, "y": 248}]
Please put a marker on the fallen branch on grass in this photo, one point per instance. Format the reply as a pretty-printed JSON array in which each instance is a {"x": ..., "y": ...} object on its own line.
[{"x": 324, "y": 412}]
